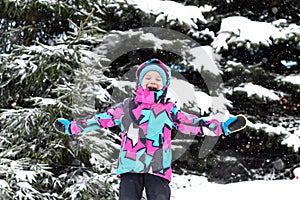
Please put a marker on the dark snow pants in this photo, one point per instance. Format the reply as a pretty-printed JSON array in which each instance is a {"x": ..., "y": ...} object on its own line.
[{"x": 133, "y": 184}]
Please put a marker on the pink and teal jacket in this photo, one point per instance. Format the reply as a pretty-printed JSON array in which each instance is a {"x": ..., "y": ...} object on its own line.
[{"x": 146, "y": 122}]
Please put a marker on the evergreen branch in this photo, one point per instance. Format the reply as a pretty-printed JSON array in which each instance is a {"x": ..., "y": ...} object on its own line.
[{"x": 81, "y": 27}]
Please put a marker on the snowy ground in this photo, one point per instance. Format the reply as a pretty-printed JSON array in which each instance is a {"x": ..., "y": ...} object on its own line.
[{"x": 196, "y": 187}]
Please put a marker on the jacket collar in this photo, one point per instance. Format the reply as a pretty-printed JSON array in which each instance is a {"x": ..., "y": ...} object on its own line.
[{"x": 149, "y": 97}]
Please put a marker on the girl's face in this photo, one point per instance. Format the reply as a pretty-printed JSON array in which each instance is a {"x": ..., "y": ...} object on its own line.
[{"x": 152, "y": 79}]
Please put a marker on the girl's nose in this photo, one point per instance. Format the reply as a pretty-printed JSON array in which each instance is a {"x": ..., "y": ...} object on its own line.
[{"x": 152, "y": 81}]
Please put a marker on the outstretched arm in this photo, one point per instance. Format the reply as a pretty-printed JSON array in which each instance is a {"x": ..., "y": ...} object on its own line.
[
  {"x": 106, "y": 119},
  {"x": 191, "y": 124}
]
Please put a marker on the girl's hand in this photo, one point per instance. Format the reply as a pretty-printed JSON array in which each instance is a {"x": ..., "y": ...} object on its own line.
[{"x": 67, "y": 127}]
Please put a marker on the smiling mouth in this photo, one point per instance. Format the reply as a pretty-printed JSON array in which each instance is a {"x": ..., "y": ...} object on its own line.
[
  {"x": 153, "y": 89},
  {"x": 154, "y": 86}
]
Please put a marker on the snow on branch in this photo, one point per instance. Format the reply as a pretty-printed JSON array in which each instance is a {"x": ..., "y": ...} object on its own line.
[
  {"x": 171, "y": 11},
  {"x": 244, "y": 32}
]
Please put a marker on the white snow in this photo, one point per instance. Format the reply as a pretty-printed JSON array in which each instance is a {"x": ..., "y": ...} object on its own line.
[
  {"x": 197, "y": 187},
  {"x": 241, "y": 30},
  {"x": 204, "y": 101},
  {"x": 204, "y": 57},
  {"x": 43, "y": 101},
  {"x": 172, "y": 11},
  {"x": 296, "y": 173},
  {"x": 23, "y": 175},
  {"x": 258, "y": 90},
  {"x": 294, "y": 79},
  {"x": 3, "y": 184},
  {"x": 293, "y": 140}
]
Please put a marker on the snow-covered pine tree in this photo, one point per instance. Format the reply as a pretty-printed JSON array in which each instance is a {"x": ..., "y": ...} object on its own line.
[
  {"x": 264, "y": 61},
  {"x": 46, "y": 55}
]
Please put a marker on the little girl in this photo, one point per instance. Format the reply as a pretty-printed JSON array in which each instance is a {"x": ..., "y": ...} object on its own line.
[{"x": 146, "y": 122}]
